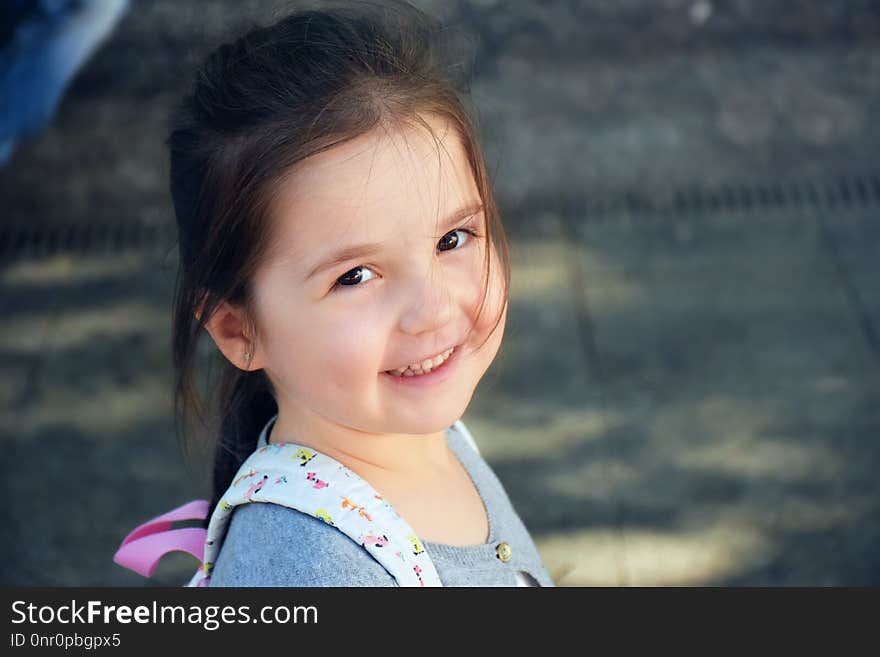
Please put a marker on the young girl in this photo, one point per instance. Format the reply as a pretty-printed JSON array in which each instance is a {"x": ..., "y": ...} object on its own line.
[{"x": 340, "y": 244}]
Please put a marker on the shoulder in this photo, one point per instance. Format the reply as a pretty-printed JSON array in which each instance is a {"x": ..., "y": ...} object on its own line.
[
  {"x": 460, "y": 427},
  {"x": 272, "y": 545}
]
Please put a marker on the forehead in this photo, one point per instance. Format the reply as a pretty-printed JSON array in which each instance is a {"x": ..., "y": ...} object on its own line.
[{"x": 381, "y": 181}]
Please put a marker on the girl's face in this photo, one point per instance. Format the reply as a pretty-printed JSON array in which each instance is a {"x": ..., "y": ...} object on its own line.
[{"x": 331, "y": 327}]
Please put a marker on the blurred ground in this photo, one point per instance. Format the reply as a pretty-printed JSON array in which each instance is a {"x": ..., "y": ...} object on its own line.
[{"x": 689, "y": 387}]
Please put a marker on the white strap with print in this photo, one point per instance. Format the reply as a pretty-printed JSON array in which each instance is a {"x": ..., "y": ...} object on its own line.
[{"x": 298, "y": 477}]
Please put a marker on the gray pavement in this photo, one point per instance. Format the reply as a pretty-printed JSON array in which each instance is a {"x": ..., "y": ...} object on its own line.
[{"x": 688, "y": 392}]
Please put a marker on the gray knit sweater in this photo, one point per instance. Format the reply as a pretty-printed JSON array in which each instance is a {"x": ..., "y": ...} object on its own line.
[{"x": 272, "y": 545}]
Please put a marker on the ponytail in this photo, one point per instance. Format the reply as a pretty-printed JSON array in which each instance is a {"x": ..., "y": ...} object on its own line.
[{"x": 251, "y": 406}]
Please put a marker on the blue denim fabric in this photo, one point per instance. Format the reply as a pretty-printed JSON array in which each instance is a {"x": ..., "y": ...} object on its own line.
[
  {"x": 272, "y": 545},
  {"x": 48, "y": 46}
]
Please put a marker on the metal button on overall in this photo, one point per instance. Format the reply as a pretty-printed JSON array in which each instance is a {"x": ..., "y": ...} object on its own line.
[{"x": 503, "y": 552}]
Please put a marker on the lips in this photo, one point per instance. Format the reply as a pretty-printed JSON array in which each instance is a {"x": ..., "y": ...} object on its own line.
[
  {"x": 414, "y": 381},
  {"x": 424, "y": 365}
]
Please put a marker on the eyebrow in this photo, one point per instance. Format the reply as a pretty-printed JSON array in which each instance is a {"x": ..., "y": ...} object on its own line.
[{"x": 357, "y": 250}]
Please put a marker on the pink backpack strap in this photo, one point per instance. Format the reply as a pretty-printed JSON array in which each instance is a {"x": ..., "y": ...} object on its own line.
[{"x": 142, "y": 549}]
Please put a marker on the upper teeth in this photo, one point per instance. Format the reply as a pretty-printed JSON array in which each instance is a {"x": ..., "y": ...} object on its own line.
[{"x": 425, "y": 366}]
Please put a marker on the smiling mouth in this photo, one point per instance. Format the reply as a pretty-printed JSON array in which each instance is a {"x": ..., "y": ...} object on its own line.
[{"x": 425, "y": 367}]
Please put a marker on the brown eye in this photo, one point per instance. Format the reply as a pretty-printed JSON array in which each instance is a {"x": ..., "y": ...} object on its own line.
[
  {"x": 351, "y": 277},
  {"x": 455, "y": 241}
]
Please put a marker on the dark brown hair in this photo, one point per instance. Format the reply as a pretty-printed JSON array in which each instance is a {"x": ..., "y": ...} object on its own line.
[{"x": 316, "y": 78}]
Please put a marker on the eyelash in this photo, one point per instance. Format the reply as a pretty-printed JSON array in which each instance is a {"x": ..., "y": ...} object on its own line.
[{"x": 336, "y": 284}]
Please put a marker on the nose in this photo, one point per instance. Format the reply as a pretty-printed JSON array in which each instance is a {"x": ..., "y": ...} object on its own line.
[{"x": 428, "y": 303}]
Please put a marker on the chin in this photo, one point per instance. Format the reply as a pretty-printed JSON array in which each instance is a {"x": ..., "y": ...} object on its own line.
[{"x": 423, "y": 425}]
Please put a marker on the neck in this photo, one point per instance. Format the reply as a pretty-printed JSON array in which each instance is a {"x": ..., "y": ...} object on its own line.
[{"x": 391, "y": 455}]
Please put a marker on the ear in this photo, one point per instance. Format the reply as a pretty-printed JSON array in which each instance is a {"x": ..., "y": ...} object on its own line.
[{"x": 229, "y": 332}]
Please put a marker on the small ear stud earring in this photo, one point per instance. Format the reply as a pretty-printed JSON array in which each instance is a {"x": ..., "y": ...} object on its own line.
[{"x": 247, "y": 356}]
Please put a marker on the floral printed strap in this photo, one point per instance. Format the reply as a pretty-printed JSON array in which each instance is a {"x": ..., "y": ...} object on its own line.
[{"x": 297, "y": 477}]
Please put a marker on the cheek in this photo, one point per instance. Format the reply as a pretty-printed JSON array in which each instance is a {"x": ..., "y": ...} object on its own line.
[
  {"x": 347, "y": 341},
  {"x": 491, "y": 295}
]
